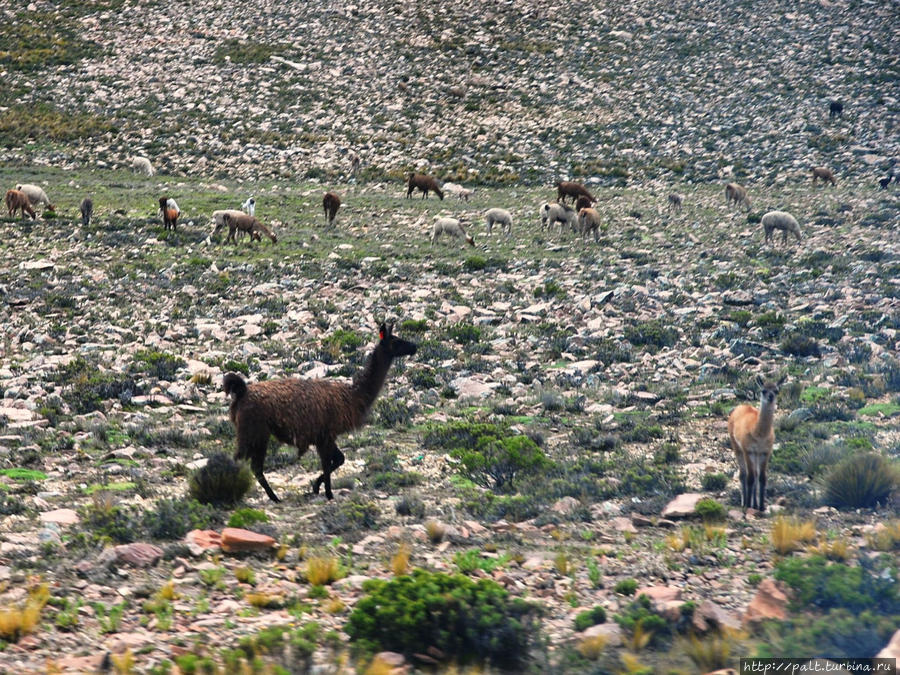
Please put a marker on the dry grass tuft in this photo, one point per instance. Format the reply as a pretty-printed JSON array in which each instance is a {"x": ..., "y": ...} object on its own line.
[
  {"x": 400, "y": 561},
  {"x": 592, "y": 647},
  {"x": 321, "y": 570},
  {"x": 788, "y": 534}
]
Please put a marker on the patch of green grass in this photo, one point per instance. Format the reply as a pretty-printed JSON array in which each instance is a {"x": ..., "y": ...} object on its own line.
[
  {"x": 23, "y": 475},
  {"x": 110, "y": 487},
  {"x": 880, "y": 410}
]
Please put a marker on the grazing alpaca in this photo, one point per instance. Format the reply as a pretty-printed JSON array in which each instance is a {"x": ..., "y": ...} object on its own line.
[
  {"x": 142, "y": 165},
  {"x": 308, "y": 412},
  {"x": 780, "y": 220},
  {"x": 241, "y": 222},
  {"x": 501, "y": 217},
  {"x": 452, "y": 227},
  {"x": 558, "y": 213},
  {"x": 249, "y": 207},
  {"x": 825, "y": 174},
  {"x": 751, "y": 434},
  {"x": 675, "y": 202},
  {"x": 36, "y": 195},
  {"x": 737, "y": 194},
  {"x": 589, "y": 221},
  {"x": 424, "y": 183},
  {"x": 15, "y": 200},
  {"x": 574, "y": 190},
  {"x": 330, "y": 204},
  {"x": 170, "y": 212},
  {"x": 87, "y": 210}
]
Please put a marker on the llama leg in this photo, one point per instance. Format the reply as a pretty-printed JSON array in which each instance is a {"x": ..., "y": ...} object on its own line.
[
  {"x": 761, "y": 480},
  {"x": 257, "y": 465},
  {"x": 253, "y": 446},
  {"x": 751, "y": 485}
]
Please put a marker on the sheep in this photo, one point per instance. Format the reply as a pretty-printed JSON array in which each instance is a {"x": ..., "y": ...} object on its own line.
[
  {"x": 780, "y": 220},
  {"x": 219, "y": 218},
  {"x": 15, "y": 200},
  {"x": 751, "y": 434},
  {"x": 308, "y": 412},
  {"x": 558, "y": 213},
  {"x": 452, "y": 227},
  {"x": 331, "y": 202},
  {"x": 589, "y": 221},
  {"x": 835, "y": 109},
  {"x": 87, "y": 210},
  {"x": 675, "y": 201},
  {"x": 501, "y": 216},
  {"x": 249, "y": 207},
  {"x": 142, "y": 165},
  {"x": 825, "y": 174},
  {"x": 737, "y": 194},
  {"x": 244, "y": 223},
  {"x": 571, "y": 189},
  {"x": 170, "y": 212},
  {"x": 423, "y": 183},
  {"x": 36, "y": 195}
]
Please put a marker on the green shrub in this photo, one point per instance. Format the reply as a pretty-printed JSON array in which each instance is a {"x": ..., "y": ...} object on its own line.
[
  {"x": 467, "y": 620},
  {"x": 107, "y": 520},
  {"x": 156, "y": 364},
  {"x": 591, "y": 617},
  {"x": 347, "y": 517},
  {"x": 639, "y": 613},
  {"x": 413, "y": 326},
  {"x": 710, "y": 510},
  {"x": 839, "y": 633},
  {"x": 861, "y": 481},
  {"x": 245, "y": 518},
  {"x": 496, "y": 463},
  {"x": 346, "y": 341},
  {"x": 410, "y": 505},
  {"x": 222, "y": 482},
  {"x": 464, "y": 333},
  {"x": 474, "y": 263},
  {"x": 714, "y": 482},
  {"x": 392, "y": 413},
  {"x": 86, "y": 385},
  {"x": 822, "y": 457},
  {"x": 174, "y": 518},
  {"x": 654, "y": 334},
  {"x": 797, "y": 344},
  {"x": 626, "y": 587},
  {"x": 823, "y": 584}
]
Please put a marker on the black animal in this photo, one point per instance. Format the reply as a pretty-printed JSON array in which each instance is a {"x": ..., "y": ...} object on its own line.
[
  {"x": 835, "y": 109},
  {"x": 87, "y": 210},
  {"x": 884, "y": 182}
]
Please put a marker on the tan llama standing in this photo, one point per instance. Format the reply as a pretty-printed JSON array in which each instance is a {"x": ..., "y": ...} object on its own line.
[{"x": 752, "y": 435}]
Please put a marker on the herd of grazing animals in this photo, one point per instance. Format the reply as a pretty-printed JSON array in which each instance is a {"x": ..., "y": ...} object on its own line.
[{"x": 315, "y": 412}]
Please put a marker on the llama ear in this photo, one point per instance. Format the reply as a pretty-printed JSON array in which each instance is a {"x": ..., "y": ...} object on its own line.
[
  {"x": 760, "y": 381},
  {"x": 390, "y": 329}
]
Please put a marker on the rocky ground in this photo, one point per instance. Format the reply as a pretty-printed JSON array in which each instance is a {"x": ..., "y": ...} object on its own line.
[{"x": 620, "y": 358}]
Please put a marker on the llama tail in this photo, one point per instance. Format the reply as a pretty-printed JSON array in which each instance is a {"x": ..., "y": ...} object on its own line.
[{"x": 234, "y": 386}]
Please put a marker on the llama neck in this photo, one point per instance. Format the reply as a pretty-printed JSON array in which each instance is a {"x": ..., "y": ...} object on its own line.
[
  {"x": 766, "y": 417},
  {"x": 368, "y": 382}
]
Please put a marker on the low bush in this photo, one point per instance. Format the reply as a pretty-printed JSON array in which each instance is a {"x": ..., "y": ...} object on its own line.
[
  {"x": 174, "y": 518},
  {"x": 160, "y": 365},
  {"x": 245, "y": 518},
  {"x": 710, "y": 510},
  {"x": 839, "y": 633},
  {"x": 348, "y": 517},
  {"x": 466, "y": 620},
  {"x": 714, "y": 482},
  {"x": 222, "y": 482},
  {"x": 591, "y": 617},
  {"x": 861, "y": 481}
]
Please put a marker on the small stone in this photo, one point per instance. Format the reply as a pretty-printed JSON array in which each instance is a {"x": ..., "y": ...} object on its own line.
[
  {"x": 640, "y": 521},
  {"x": 770, "y": 602},
  {"x": 200, "y": 541},
  {"x": 235, "y": 539},
  {"x": 611, "y": 631}
]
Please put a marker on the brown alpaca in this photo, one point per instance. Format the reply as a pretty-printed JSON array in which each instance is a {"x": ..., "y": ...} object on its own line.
[
  {"x": 331, "y": 203},
  {"x": 825, "y": 174},
  {"x": 737, "y": 194},
  {"x": 424, "y": 183},
  {"x": 574, "y": 190},
  {"x": 675, "y": 202},
  {"x": 15, "y": 200},
  {"x": 87, "y": 210},
  {"x": 241, "y": 222},
  {"x": 170, "y": 212},
  {"x": 751, "y": 434},
  {"x": 308, "y": 412},
  {"x": 583, "y": 203}
]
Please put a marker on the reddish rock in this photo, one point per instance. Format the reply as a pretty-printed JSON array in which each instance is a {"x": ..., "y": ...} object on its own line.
[
  {"x": 60, "y": 516},
  {"x": 200, "y": 541},
  {"x": 139, "y": 555},
  {"x": 660, "y": 594},
  {"x": 682, "y": 506},
  {"x": 640, "y": 521},
  {"x": 892, "y": 650},
  {"x": 770, "y": 602},
  {"x": 710, "y": 615},
  {"x": 235, "y": 539}
]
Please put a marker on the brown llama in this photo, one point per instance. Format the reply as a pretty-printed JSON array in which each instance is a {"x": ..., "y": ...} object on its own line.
[
  {"x": 424, "y": 183},
  {"x": 330, "y": 204},
  {"x": 241, "y": 222},
  {"x": 751, "y": 434},
  {"x": 87, "y": 211},
  {"x": 565, "y": 188},
  {"x": 736, "y": 194},
  {"x": 583, "y": 203},
  {"x": 825, "y": 174},
  {"x": 170, "y": 212},
  {"x": 308, "y": 412},
  {"x": 15, "y": 200}
]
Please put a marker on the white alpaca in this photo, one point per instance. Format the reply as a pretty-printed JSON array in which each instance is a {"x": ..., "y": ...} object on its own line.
[
  {"x": 249, "y": 207},
  {"x": 452, "y": 227},
  {"x": 142, "y": 165}
]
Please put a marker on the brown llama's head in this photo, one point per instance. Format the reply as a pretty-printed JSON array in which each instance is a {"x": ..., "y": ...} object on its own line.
[{"x": 392, "y": 345}]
